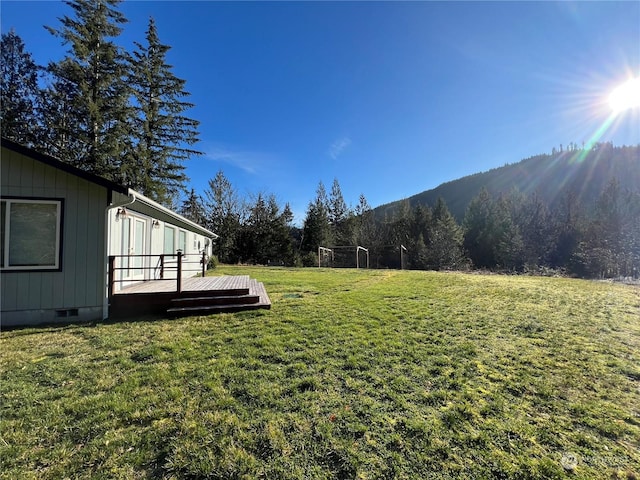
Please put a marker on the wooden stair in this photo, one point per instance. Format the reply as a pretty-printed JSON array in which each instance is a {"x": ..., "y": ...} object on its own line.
[
  {"x": 199, "y": 296},
  {"x": 249, "y": 295}
]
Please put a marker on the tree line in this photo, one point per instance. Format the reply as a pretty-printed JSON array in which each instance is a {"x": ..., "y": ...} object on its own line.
[
  {"x": 118, "y": 114},
  {"x": 509, "y": 232}
]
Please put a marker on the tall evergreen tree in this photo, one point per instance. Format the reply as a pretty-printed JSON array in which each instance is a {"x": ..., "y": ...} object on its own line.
[
  {"x": 422, "y": 220},
  {"x": 317, "y": 229},
  {"x": 337, "y": 211},
  {"x": 399, "y": 229},
  {"x": 508, "y": 247},
  {"x": 445, "y": 240},
  {"x": 161, "y": 135},
  {"x": 366, "y": 227},
  {"x": 281, "y": 232},
  {"x": 480, "y": 233},
  {"x": 19, "y": 91},
  {"x": 534, "y": 222},
  {"x": 224, "y": 216},
  {"x": 95, "y": 67},
  {"x": 193, "y": 208},
  {"x": 58, "y": 117},
  {"x": 566, "y": 230}
]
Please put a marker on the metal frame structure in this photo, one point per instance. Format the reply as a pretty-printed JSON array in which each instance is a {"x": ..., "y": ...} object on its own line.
[
  {"x": 358, "y": 256},
  {"x": 324, "y": 250}
]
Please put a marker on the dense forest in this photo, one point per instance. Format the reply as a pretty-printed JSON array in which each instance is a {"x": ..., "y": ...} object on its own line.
[
  {"x": 123, "y": 115},
  {"x": 508, "y": 232}
]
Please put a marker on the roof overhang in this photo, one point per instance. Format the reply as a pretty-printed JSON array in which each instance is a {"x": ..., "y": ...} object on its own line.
[{"x": 150, "y": 207}]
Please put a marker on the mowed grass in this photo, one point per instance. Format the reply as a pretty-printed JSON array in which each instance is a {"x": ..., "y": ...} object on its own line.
[{"x": 351, "y": 374}]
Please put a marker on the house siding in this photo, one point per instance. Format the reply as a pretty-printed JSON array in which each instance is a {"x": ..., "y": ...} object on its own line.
[
  {"x": 43, "y": 296},
  {"x": 154, "y": 241}
]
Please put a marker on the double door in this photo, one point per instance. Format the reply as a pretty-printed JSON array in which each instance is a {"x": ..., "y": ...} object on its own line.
[{"x": 133, "y": 235}]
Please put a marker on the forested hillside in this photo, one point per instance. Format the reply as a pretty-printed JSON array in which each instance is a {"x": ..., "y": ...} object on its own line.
[{"x": 582, "y": 173}]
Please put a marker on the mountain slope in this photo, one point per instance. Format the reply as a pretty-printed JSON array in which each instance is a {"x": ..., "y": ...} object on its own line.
[{"x": 584, "y": 173}]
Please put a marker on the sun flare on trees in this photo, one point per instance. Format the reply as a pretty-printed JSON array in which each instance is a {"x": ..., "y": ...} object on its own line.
[{"x": 625, "y": 96}]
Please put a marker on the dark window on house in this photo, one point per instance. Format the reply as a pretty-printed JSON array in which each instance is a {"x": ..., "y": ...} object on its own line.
[{"x": 30, "y": 234}]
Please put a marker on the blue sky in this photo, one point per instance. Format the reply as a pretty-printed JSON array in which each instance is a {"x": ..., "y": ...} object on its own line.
[{"x": 389, "y": 98}]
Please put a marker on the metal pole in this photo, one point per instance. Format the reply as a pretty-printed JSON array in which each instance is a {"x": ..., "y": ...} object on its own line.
[
  {"x": 402, "y": 250},
  {"x": 179, "y": 271},
  {"x": 112, "y": 275}
]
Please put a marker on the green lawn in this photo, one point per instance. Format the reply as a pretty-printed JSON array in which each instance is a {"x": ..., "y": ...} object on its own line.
[{"x": 351, "y": 374}]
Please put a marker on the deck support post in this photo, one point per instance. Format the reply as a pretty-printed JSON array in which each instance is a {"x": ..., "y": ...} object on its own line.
[
  {"x": 111, "y": 276},
  {"x": 179, "y": 271}
]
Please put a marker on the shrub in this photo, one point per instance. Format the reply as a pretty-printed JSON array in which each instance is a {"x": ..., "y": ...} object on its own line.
[{"x": 213, "y": 262}]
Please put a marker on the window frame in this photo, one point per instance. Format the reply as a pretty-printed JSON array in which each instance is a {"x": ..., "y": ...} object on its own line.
[
  {"x": 4, "y": 262},
  {"x": 164, "y": 241},
  {"x": 182, "y": 246}
]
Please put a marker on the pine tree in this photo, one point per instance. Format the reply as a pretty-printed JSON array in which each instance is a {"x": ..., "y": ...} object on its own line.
[
  {"x": 508, "y": 246},
  {"x": 282, "y": 227},
  {"x": 223, "y": 216},
  {"x": 399, "y": 230},
  {"x": 19, "y": 91},
  {"x": 421, "y": 222},
  {"x": 95, "y": 68},
  {"x": 161, "y": 135},
  {"x": 193, "y": 209},
  {"x": 445, "y": 241},
  {"x": 480, "y": 233},
  {"x": 317, "y": 229},
  {"x": 337, "y": 211},
  {"x": 366, "y": 227},
  {"x": 58, "y": 118},
  {"x": 534, "y": 222},
  {"x": 420, "y": 255}
]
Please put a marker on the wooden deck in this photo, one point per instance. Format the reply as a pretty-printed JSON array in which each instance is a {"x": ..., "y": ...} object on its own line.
[
  {"x": 198, "y": 296},
  {"x": 196, "y": 284}
]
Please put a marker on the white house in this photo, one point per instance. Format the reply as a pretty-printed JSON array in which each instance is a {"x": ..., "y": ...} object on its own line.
[{"x": 59, "y": 227}]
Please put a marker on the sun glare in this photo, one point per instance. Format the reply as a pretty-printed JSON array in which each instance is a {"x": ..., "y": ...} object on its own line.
[{"x": 625, "y": 96}]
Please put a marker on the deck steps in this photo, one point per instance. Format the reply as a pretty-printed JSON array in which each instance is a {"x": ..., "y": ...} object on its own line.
[{"x": 254, "y": 296}]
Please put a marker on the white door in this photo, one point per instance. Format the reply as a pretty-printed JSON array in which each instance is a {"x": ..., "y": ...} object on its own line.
[{"x": 133, "y": 244}]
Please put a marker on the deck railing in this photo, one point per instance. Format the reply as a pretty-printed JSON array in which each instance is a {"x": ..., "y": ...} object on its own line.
[{"x": 160, "y": 270}]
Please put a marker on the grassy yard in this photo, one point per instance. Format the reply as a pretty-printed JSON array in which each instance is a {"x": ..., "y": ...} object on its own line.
[{"x": 351, "y": 374}]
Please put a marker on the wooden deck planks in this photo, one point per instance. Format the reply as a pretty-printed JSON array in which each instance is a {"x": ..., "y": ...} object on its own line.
[{"x": 195, "y": 284}]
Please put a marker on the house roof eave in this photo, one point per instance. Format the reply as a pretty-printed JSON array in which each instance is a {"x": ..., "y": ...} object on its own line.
[{"x": 139, "y": 197}]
